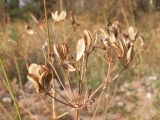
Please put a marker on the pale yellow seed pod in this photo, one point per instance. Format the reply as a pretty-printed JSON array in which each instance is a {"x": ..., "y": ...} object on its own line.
[{"x": 88, "y": 39}]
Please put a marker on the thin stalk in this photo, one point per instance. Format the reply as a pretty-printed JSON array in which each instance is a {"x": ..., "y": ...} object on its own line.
[
  {"x": 60, "y": 80},
  {"x": 60, "y": 100},
  {"x": 76, "y": 113},
  {"x": 49, "y": 51},
  {"x": 104, "y": 87},
  {"x": 58, "y": 117},
  {"x": 10, "y": 90},
  {"x": 133, "y": 21},
  {"x": 46, "y": 20},
  {"x": 18, "y": 73}
]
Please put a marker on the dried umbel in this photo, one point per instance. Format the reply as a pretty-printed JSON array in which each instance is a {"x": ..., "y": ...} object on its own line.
[
  {"x": 60, "y": 17},
  {"x": 114, "y": 45},
  {"x": 40, "y": 76},
  {"x": 121, "y": 43}
]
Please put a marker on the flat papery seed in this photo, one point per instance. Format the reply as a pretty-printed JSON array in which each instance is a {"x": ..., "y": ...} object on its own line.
[
  {"x": 88, "y": 36},
  {"x": 112, "y": 38},
  {"x": 130, "y": 53},
  {"x": 141, "y": 41},
  {"x": 117, "y": 49},
  {"x": 122, "y": 46},
  {"x": 56, "y": 17},
  {"x": 62, "y": 15},
  {"x": 132, "y": 33},
  {"x": 64, "y": 50},
  {"x": 80, "y": 48}
]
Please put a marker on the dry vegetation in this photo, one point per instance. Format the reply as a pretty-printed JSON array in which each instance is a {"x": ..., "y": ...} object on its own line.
[{"x": 82, "y": 64}]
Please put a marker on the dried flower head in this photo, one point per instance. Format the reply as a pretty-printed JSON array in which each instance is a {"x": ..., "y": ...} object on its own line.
[
  {"x": 40, "y": 76},
  {"x": 114, "y": 39}
]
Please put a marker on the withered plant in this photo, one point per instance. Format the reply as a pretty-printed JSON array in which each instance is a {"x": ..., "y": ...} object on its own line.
[{"x": 111, "y": 44}]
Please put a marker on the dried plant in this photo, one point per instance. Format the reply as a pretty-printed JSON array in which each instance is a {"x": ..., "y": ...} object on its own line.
[{"x": 111, "y": 44}]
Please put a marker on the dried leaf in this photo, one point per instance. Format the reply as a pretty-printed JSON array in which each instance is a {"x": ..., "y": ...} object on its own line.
[{"x": 80, "y": 48}]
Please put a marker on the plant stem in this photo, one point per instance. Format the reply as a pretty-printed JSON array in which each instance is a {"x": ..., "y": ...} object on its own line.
[
  {"x": 10, "y": 90},
  {"x": 46, "y": 20},
  {"x": 104, "y": 87},
  {"x": 49, "y": 55},
  {"x": 76, "y": 113}
]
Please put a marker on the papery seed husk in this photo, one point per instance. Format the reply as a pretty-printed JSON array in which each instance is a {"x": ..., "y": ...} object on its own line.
[
  {"x": 88, "y": 38},
  {"x": 62, "y": 15},
  {"x": 122, "y": 46},
  {"x": 130, "y": 53},
  {"x": 58, "y": 51},
  {"x": 34, "y": 69},
  {"x": 64, "y": 50},
  {"x": 141, "y": 41},
  {"x": 117, "y": 49},
  {"x": 132, "y": 33},
  {"x": 80, "y": 48},
  {"x": 34, "y": 81}
]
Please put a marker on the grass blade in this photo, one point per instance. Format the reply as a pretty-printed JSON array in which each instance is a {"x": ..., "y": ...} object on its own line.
[{"x": 10, "y": 90}]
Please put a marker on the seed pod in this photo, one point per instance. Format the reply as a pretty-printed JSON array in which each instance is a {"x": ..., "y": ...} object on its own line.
[
  {"x": 64, "y": 50},
  {"x": 132, "y": 33},
  {"x": 141, "y": 41},
  {"x": 55, "y": 16},
  {"x": 130, "y": 54},
  {"x": 117, "y": 49},
  {"x": 80, "y": 48},
  {"x": 122, "y": 46},
  {"x": 59, "y": 17},
  {"x": 40, "y": 76},
  {"x": 62, "y": 15},
  {"x": 88, "y": 37},
  {"x": 58, "y": 51}
]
